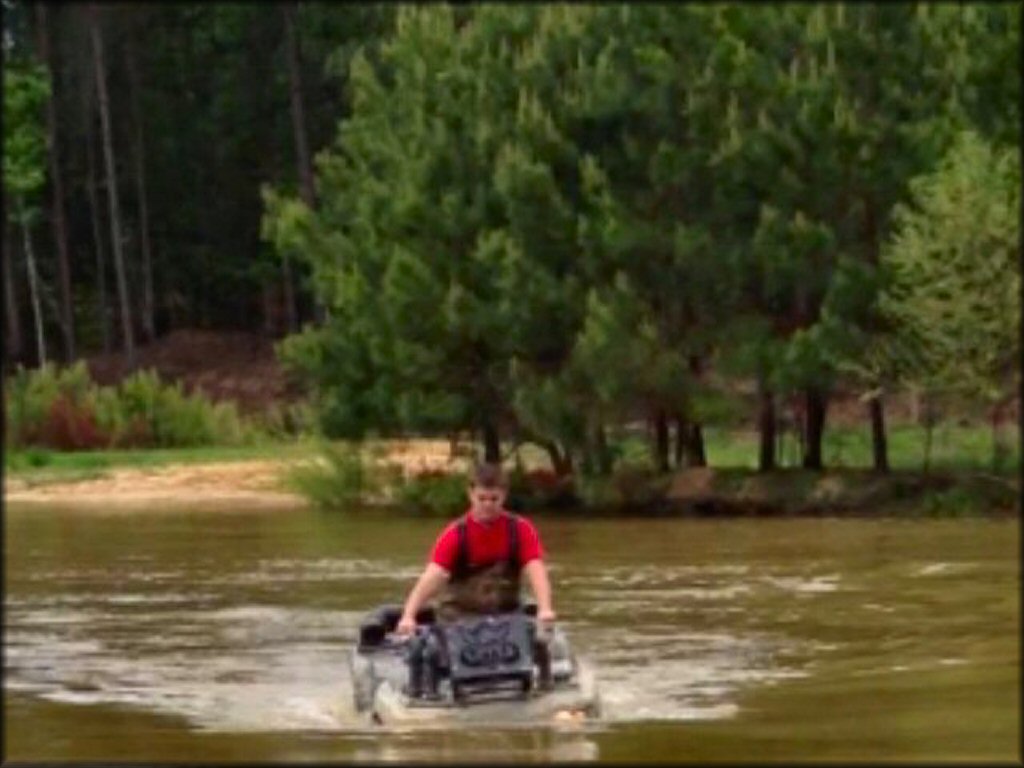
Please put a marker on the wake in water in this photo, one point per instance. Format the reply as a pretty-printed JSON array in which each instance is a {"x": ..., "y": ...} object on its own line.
[{"x": 270, "y": 667}]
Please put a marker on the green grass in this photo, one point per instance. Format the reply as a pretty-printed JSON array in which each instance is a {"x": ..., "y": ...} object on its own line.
[
  {"x": 953, "y": 447},
  {"x": 36, "y": 465}
]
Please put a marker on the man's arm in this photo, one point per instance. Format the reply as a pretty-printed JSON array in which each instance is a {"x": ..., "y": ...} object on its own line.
[
  {"x": 430, "y": 581},
  {"x": 537, "y": 575}
]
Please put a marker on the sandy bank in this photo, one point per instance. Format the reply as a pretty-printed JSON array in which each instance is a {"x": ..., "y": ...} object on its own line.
[{"x": 241, "y": 484}]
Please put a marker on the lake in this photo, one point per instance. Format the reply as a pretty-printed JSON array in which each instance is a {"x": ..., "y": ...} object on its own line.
[{"x": 220, "y": 635}]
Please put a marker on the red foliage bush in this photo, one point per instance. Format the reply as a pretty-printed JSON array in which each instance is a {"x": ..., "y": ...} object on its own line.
[
  {"x": 71, "y": 426},
  {"x": 544, "y": 480},
  {"x": 136, "y": 435}
]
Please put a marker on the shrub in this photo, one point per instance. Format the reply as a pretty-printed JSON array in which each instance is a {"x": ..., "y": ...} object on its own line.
[
  {"x": 433, "y": 491},
  {"x": 71, "y": 426},
  {"x": 541, "y": 489},
  {"x": 65, "y": 410},
  {"x": 288, "y": 421},
  {"x": 630, "y": 485},
  {"x": 340, "y": 476},
  {"x": 29, "y": 397}
]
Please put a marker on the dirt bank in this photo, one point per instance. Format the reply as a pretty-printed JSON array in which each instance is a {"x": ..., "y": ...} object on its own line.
[
  {"x": 245, "y": 484},
  {"x": 239, "y": 484}
]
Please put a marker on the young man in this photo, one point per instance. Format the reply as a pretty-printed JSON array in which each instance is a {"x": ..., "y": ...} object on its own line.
[{"x": 477, "y": 560}]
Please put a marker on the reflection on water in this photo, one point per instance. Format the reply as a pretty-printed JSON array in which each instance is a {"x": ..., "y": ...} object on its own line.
[{"x": 241, "y": 624}]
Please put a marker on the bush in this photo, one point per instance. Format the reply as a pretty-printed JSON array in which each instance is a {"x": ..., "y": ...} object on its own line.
[
  {"x": 29, "y": 397},
  {"x": 71, "y": 426},
  {"x": 341, "y": 476},
  {"x": 433, "y": 491},
  {"x": 541, "y": 489},
  {"x": 65, "y": 410},
  {"x": 630, "y": 485}
]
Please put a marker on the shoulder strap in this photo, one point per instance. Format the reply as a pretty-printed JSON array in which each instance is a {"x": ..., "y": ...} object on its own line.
[
  {"x": 513, "y": 540},
  {"x": 461, "y": 566}
]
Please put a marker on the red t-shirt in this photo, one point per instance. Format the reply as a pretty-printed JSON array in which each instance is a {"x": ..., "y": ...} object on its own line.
[{"x": 487, "y": 542}]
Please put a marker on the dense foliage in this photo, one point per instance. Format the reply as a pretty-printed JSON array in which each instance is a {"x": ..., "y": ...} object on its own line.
[
  {"x": 539, "y": 223},
  {"x": 63, "y": 409}
]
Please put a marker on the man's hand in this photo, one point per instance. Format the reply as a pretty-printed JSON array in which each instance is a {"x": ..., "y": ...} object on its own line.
[
  {"x": 429, "y": 582},
  {"x": 546, "y": 616},
  {"x": 406, "y": 625}
]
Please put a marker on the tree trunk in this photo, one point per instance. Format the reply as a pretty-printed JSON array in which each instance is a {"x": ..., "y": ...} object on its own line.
[
  {"x": 97, "y": 231},
  {"x": 661, "y": 440},
  {"x": 60, "y": 229},
  {"x": 302, "y": 159},
  {"x": 816, "y": 405},
  {"x": 267, "y": 302},
  {"x": 14, "y": 344},
  {"x": 695, "y": 454},
  {"x": 679, "y": 450},
  {"x": 33, "y": 282},
  {"x": 766, "y": 423},
  {"x": 561, "y": 462},
  {"x": 1000, "y": 450},
  {"x": 929, "y": 425},
  {"x": 603, "y": 455},
  {"x": 148, "y": 303},
  {"x": 115, "y": 212},
  {"x": 492, "y": 442},
  {"x": 879, "y": 444}
]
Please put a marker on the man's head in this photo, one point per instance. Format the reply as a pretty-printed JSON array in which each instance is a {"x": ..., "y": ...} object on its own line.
[{"x": 487, "y": 491}]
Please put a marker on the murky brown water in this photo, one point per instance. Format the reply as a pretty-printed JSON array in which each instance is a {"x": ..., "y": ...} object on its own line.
[{"x": 220, "y": 636}]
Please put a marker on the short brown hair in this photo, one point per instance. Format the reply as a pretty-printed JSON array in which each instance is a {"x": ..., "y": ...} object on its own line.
[{"x": 488, "y": 475}]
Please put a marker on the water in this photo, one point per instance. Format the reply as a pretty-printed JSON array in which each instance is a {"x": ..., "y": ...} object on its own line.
[{"x": 216, "y": 636}]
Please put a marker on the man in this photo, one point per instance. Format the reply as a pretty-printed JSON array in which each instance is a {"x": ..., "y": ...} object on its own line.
[
  {"x": 477, "y": 560},
  {"x": 475, "y": 564}
]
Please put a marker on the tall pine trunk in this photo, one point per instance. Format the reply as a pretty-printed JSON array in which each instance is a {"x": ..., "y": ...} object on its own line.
[
  {"x": 97, "y": 230},
  {"x": 60, "y": 229},
  {"x": 492, "y": 442},
  {"x": 561, "y": 462},
  {"x": 661, "y": 441},
  {"x": 602, "y": 453},
  {"x": 879, "y": 446},
  {"x": 33, "y": 281},
  {"x": 14, "y": 343},
  {"x": 879, "y": 443},
  {"x": 148, "y": 303},
  {"x": 816, "y": 404},
  {"x": 695, "y": 454},
  {"x": 766, "y": 426},
  {"x": 1000, "y": 450},
  {"x": 115, "y": 211},
  {"x": 679, "y": 450},
  {"x": 303, "y": 164},
  {"x": 929, "y": 417}
]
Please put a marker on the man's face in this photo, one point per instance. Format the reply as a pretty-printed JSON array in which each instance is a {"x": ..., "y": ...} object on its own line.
[{"x": 486, "y": 502}]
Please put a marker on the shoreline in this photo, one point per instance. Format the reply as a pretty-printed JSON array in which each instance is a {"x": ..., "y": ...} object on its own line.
[
  {"x": 223, "y": 484},
  {"x": 698, "y": 492}
]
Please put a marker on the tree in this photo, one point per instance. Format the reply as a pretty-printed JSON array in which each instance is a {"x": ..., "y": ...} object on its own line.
[
  {"x": 60, "y": 234},
  {"x": 407, "y": 221},
  {"x": 128, "y": 333},
  {"x": 141, "y": 192},
  {"x": 14, "y": 344},
  {"x": 955, "y": 295},
  {"x": 26, "y": 89}
]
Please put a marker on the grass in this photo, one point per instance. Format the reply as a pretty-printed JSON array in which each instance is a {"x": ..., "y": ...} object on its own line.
[
  {"x": 954, "y": 447},
  {"x": 36, "y": 465}
]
